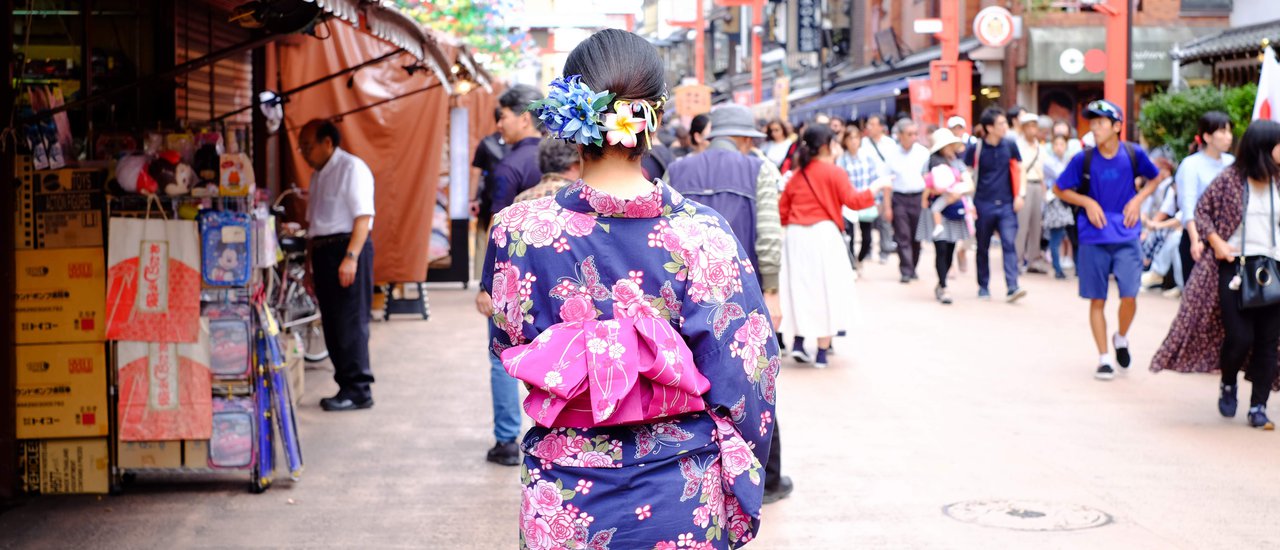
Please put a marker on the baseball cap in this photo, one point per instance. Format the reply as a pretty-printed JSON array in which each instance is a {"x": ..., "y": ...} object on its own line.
[
  {"x": 1102, "y": 108},
  {"x": 957, "y": 121}
]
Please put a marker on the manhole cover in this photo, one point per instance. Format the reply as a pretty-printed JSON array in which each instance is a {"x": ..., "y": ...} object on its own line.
[{"x": 1027, "y": 515}]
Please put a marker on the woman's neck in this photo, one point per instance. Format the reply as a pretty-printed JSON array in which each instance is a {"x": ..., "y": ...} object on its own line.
[
  {"x": 617, "y": 176},
  {"x": 1211, "y": 152}
]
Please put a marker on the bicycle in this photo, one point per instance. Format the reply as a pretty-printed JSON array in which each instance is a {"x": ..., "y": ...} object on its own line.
[{"x": 292, "y": 300}]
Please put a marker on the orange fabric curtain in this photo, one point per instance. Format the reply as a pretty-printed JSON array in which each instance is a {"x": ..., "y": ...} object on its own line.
[{"x": 401, "y": 140}]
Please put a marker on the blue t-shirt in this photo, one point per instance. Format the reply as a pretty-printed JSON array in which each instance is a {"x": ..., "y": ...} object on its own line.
[
  {"x": 994, "y": 181},
  {"x": 1111, "y": 184}
]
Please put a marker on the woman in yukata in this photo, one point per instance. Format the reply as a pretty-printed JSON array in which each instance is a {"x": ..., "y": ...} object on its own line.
[{"x": 637, "y": 323}]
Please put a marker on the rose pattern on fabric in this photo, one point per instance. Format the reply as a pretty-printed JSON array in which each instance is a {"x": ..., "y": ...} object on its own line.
[
  {"x": 566, "y": 447},
  {"x": 549, "y": 521}
]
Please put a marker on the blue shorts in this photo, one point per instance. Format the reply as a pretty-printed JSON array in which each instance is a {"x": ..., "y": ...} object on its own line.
[{"x": 1098, "y": 262}]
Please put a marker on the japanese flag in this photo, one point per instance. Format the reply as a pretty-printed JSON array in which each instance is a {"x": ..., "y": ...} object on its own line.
[{"x": 1267, "y": 106}]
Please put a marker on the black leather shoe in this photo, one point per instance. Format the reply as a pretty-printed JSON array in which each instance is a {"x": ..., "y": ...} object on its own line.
[
  {"x": 340, "y": 403},
  {"x": 781, "y": 491},
  {"x": 506, "y": 454}
]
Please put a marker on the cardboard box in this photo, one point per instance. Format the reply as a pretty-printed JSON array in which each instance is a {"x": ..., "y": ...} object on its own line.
[
  {"x": 61, "y": 295},
  {"x": 62, "y": 391},
  {"x": 195, "y": 454},
  {"x": 141, "y": 455},
  {"x": 60, "y": 208},
  {"x": 64, "y": 466}
]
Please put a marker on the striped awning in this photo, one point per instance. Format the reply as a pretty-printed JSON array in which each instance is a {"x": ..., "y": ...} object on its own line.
[{"x": 384, "y": 21}]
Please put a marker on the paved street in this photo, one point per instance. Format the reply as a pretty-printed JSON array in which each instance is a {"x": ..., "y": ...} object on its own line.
[{"x": 923, "y": 407}]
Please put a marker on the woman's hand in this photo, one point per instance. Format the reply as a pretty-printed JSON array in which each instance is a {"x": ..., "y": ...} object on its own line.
[
  {"x": 1197, "y": 249},
  {"x": 1225, "y": 252}
]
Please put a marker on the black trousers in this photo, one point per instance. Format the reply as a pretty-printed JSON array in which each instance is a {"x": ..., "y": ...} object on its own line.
[
  {"x": 1184, "y": 250},
  {"x": 773, "y": 466},
  {"x": 946, "y": 252},
  {"x": 1251, "y": 334},
  {"x": 864, "y": 235},
  {"x": 344, "y": 312},
  {"x": 906, "y": 216},
  {"x": 853, "y": 244}
]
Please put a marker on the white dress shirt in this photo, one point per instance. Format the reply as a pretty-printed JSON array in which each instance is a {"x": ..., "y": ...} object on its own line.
[
  {"x": 341, "y": 191},
  {"x": 907, "y": 167}
]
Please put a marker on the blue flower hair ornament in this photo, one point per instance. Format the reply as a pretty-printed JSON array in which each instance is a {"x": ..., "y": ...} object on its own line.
[{"x": 572, "y": 111}]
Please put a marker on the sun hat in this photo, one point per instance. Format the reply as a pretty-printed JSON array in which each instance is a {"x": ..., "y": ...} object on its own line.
[{"x": 943, "y": 137}]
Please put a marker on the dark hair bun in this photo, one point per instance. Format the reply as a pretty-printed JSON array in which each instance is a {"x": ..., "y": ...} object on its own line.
[{"x": 624, "y": 64}]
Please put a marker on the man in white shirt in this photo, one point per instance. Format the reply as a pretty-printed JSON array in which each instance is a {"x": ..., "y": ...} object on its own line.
[
  {"x": 906, "y": 163},
  {"x": 875, "y": 145},
  {"x": 340, "y": 214},
  {"x": 1031, "y": 218}
]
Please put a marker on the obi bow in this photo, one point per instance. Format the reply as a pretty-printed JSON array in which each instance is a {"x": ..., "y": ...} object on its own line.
[{"x": 605, "y": 373}]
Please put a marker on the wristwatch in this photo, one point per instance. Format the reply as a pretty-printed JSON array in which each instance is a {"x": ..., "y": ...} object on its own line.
[{"x": 351, "y": 255}]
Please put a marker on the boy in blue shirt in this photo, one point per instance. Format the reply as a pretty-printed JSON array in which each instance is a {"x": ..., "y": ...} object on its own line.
[{"x": 1110, "y": 205}]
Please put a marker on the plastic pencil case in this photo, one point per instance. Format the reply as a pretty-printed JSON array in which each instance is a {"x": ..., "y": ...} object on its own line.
[
  {"x": 226, "y": 248},
  {"x": 230, "y": 340},
  {"x": 231, "y": 446}
]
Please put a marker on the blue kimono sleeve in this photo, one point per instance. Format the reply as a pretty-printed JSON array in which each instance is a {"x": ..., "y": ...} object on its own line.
[
  {"x": 728, "y": 328},
  {"x": 500, "y": 278}
]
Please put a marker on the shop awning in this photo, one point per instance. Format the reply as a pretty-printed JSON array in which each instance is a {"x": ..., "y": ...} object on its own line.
[
  {"x": 874, "y": 99},
  {"x": 1061, "y": 54},
  {"x": 388, "y": 24},
  {"x": 1231, "y": 43}
]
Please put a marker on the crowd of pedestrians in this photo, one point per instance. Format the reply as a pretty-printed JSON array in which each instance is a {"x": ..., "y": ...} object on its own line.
[{"x": 805, "y": 204}]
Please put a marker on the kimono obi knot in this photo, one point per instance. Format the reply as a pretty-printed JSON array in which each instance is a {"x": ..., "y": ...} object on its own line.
[{"x": 584, "y": 374}]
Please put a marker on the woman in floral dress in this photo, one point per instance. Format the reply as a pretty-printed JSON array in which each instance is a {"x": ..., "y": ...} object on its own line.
[{"x": 636, "y": 321}]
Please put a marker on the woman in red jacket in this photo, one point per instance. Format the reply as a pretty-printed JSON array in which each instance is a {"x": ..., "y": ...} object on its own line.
[{"x": 817, "y": 279}]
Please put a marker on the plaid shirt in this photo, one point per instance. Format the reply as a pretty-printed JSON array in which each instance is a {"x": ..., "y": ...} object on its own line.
[{"x": 862, "y": 171}]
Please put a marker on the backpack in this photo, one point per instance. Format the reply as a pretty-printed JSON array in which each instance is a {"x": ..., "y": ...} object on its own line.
[{"x": 1086, "y": 177}]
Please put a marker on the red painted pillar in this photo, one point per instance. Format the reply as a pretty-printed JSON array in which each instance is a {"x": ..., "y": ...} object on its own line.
[
  {"x": 1117, "y": 83},
  {"x": 757, "y": 45}
]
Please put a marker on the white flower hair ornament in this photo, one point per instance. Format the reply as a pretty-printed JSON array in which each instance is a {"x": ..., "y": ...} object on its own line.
[{"x": 572, "y": 111}]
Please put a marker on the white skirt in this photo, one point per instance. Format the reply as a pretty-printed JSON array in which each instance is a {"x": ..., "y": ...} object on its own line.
[{"x": 817, "y": 282}]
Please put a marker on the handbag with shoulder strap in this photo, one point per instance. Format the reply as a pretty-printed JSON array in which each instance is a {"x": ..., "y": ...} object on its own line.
[{"x": 1259, "y": 275}]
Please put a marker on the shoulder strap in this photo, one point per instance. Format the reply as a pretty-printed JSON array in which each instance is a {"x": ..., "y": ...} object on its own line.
[
  {"x": 876, "y": 148},
  {"x": 1133, "y": 163},
  {"x": 1085, "y": 176},
  {"x": 977, "y": 156},
  {"x": 818, "y": 197}
]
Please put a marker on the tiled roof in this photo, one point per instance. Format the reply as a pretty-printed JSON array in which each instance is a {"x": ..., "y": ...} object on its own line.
[{"x": 1231, "y": 42}]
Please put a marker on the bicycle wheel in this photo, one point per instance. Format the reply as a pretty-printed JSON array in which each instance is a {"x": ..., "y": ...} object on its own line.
[{"x": 313, "y": 348}]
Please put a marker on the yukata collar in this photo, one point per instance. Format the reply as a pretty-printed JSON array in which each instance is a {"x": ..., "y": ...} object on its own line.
[{"x": 580, "y": 197}]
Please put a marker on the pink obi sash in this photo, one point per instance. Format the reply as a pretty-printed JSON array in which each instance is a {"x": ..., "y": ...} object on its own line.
[{"x": 606, "y": 373}]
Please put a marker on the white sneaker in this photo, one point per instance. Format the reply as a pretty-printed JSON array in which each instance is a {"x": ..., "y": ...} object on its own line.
[
  {"x": 937, "y": 230},
  {"x": 1151, "y": 278},
  {"x": 1067, "y": 263},
  {"x": 1174, "y": 292}
]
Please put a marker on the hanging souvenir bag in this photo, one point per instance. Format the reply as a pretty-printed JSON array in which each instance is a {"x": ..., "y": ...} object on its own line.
[
  {"x": 153, "y": 279},
  {"x": 232, "y": 443},
  {"x": 164, "y": 391},
  {"x": 225, "y": 238},
  {"x": 229, "y": 340}
]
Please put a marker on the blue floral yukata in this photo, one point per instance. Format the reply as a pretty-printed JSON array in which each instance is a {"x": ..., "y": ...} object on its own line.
[{"x": 597, "y": 266}]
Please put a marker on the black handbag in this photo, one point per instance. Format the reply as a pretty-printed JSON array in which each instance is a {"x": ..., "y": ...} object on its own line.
[{"x": 1259, "y": 275}]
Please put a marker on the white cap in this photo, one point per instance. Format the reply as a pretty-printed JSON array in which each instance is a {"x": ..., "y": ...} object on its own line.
[
  {"x": 957, "y": 121},
  {"x": 1028, "y": 116}
]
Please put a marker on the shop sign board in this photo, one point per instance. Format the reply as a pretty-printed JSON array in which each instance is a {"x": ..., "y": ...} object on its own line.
[
  {"x": 994, "y": 26},
  {"x": 808, "y": 26},
  {"x": 62, "y": 391}
]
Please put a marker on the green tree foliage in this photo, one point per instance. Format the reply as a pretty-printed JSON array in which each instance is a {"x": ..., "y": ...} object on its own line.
[{"x": 1170, "y": 118}]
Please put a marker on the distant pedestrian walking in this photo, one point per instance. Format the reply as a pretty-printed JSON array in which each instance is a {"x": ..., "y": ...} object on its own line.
[
  {"x": 996, "y": 166},
  {"x": 817, "y": 294}
]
